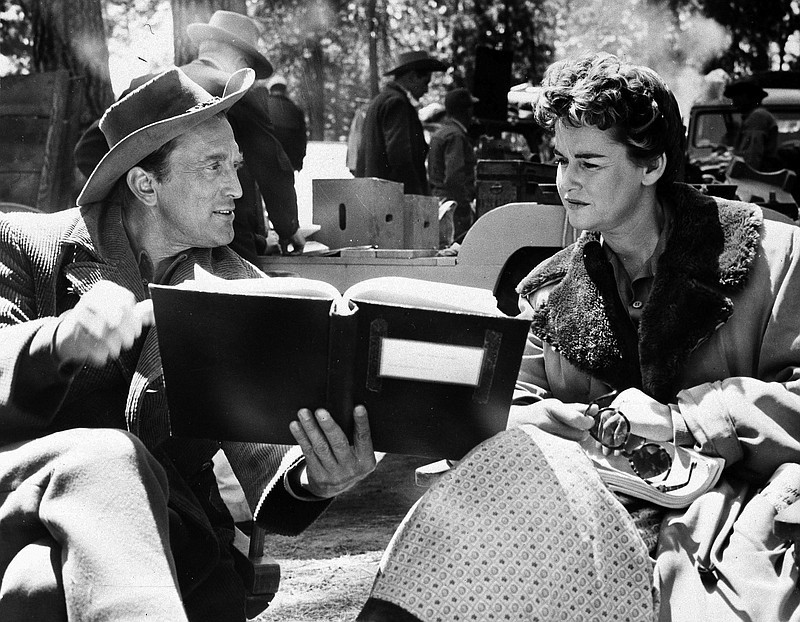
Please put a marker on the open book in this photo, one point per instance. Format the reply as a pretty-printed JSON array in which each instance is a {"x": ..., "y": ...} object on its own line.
[
  {"x": 690, "y": 475},
  {"x": 434, "y": 363}
]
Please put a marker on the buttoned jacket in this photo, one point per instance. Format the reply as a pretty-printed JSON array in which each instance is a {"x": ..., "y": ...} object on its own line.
[
  {"x": 47, "y": 261},
  {"x": 393, "y": 142},
  {"x": 718, "y": 340},
  {"x": 451, "y": 163}
]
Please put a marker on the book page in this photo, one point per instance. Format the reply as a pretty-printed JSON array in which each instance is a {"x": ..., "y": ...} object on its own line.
[
  {"x": 403, "y": 291},
  {"x": 289, "y": 286}
]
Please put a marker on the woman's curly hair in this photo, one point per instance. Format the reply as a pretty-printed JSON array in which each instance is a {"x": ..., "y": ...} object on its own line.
[{"x": 632, "y": 101}]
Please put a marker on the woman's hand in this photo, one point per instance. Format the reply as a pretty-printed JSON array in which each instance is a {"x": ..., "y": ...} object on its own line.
[
  {"x": 647, "y": 417},
  {"x": 551, "y": 415}
]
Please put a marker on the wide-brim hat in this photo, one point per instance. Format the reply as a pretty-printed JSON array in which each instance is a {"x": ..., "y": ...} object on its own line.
[
  {"x": 237, "y": 30},
  {"x": 149, "y": 117},
  {"x": 459, "y": 99},
  {"x": 416, "y": 60},
  {"x": 745, "y": 86}
]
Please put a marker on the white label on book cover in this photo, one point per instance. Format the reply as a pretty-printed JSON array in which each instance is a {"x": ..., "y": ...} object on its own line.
[{"x": 432, "y": 362}]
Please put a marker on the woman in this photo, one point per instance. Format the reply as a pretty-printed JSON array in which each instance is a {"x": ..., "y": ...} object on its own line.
[{"x": 685, "y": 304}]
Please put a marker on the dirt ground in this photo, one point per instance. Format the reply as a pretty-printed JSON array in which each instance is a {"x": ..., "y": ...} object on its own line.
[{"x": 327, "y": 571}]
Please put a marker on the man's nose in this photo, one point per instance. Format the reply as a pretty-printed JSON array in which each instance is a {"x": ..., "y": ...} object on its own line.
[{"x": 233, "y": 185}]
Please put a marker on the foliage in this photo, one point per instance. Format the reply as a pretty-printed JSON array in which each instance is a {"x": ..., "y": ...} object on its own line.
[
  {"x": 16, "y": 39},
  {"x": 759, "y": 32},
  {"x": 322, "y": 47}
]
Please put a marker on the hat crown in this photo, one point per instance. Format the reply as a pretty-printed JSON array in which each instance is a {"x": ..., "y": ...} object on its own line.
[
  {"x": 418, "y": 60},
  {"x": 168, "y": 95},
  {"x": 413, "y": 56},
  {"x": 239, "y": 26},
  {"x": 459, "y": 99}
]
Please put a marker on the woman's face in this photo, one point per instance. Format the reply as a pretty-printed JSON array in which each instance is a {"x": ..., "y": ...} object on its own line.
[{"x": 600, "y": 186}]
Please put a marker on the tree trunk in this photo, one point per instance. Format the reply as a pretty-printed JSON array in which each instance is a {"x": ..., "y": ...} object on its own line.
[
  {"x": 185, "y": 12},
  {"x": 69, "y": 34},
  {"x": 374, "y": 80},
  {"x": 315, "y": 90}
]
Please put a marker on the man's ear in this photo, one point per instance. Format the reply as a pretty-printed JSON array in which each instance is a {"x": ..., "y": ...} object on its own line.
[
  {"x": 141, "y": 184},
  {"x": 654, "y": 170}
]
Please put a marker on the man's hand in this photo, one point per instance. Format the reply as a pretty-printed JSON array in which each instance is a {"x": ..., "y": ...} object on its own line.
[
  {"x": 106, "y": 321},
  {"x": 554, "y": 416},
  {"x": 297, "y": 241},
  {"x": 332, "y": 464}
]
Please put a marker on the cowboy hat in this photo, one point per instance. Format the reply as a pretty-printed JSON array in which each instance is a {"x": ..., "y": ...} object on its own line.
[
  {"x": 459, "y": 99},
  {"x": 745, "y": 86},
  {"x": 416, "y": 60},
  {"x": 149, "y": 117},
  {"x": 237, "y": 30}
]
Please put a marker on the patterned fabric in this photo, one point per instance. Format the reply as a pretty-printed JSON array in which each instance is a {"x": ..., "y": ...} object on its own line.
[{"x": 498, "y": 539}]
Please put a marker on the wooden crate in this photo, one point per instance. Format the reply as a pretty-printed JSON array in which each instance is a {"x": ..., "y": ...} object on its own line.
[
  {"x": 421, "y": 222},
  {"x": 359, "y": 211},
  {"x": 38, "y": 128}
]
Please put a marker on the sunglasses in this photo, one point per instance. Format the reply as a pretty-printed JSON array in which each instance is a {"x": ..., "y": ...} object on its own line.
[{"x": 648, "y": 460}]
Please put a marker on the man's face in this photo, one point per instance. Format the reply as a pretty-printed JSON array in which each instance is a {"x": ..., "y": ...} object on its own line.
[
  {"x": 418, "y": 83},
  {"x": 195, "y": 199}
]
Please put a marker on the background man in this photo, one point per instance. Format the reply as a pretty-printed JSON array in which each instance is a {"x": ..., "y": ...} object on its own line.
[
  {"x": 105, "y": 516},
  {"x": 757, "y": 139},
  {"x": 451, "y": 161},
  {"x": 288, "y": 120},
  {"x": 229, "y": 42},
  {"x": 393, "y": 142}
]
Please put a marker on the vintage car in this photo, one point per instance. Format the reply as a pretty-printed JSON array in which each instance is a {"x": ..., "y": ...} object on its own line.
[{"x": 712, "y": 130}]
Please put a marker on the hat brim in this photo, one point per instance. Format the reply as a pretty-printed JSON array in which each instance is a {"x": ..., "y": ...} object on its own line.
[
  {"x": 424, "y": 64},
  {"x": 136, "y": 146},
  {"x": 735, "y": 89},
  {"x": 202, "y": 32}
]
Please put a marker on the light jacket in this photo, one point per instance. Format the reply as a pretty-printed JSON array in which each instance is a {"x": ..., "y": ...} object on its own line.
[{"x": 719, "y": 338}]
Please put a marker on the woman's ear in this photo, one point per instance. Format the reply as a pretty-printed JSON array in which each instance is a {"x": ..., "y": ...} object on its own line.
[
  {"x": 654, "y": 170},
  {"x": 141, "y": 184}
]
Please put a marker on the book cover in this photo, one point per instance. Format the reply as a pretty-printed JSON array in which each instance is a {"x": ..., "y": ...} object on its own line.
[
  {"x": 690, "y": 475},
  {"x": 434, "y": 363}
]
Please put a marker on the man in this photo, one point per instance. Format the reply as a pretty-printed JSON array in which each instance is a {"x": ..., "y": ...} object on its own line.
[
  {"x": 451, "y": 161},
  {"x": 104, "y": 516},
  {"x": 757, "y": 139},
  {"x": 229, "y": 42},
  {"x": 393, "y": 142},
  {"x": 289, "y": 121}
]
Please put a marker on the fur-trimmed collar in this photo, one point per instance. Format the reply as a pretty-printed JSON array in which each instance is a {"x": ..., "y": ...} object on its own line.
[{"x": 706, "y": 260}]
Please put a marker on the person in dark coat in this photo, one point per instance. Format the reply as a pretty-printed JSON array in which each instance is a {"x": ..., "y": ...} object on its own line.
[
  {"x": 757, "y": 139},
  {"x": 104, "y": 515},
  {"x": 288, "y": 120},
  {"x": 228, "y": 42},
  {"x": 451, "y": 161},
  {"x": 393, "y": 143}
]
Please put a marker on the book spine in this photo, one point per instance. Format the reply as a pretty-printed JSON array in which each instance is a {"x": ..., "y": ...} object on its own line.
[{"x": 341, "y": 362}]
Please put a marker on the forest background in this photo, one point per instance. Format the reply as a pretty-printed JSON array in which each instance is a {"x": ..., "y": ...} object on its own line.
[{"x": 334, "y": 52}]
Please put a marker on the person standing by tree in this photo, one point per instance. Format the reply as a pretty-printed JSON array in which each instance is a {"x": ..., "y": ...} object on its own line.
[
  {"x": 393, "y": 143},
  {"x": 289, "y": 121},
  {"x": 227, "y": 43},
  {"x": 451, "y": 161}
]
